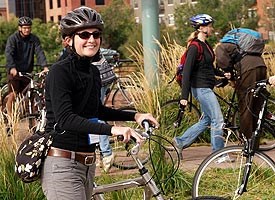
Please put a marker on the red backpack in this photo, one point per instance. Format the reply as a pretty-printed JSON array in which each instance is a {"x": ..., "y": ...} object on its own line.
[{"x": 183, "y": 58}]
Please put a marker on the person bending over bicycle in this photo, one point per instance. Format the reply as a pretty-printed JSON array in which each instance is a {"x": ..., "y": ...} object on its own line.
[
  {"x": 199, "y": 77},
  {"x": 20, "y": 50},
  {"x": 73, "y": 104},
  {"x": 250, "y": 69}
]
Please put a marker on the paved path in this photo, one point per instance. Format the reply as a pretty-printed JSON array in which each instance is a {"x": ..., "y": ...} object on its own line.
[{"x": 192, "y": 157}]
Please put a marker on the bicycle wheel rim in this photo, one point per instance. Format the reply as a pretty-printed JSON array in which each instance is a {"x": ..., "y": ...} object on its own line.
[{"x": 223, "y": 179}]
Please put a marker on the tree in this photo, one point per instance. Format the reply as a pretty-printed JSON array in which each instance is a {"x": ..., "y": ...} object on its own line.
[
  {"x": 119, "y": 24},
  {"x": 226, "y": 13}
]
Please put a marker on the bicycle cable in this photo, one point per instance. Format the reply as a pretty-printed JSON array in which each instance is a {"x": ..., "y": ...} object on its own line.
[{"x": 154, "y": 168}]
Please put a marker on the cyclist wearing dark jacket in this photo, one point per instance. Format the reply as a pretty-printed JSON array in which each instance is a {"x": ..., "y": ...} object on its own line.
[
  {"x": 73, "y": 107},
  {"x": 20, "y": 50}
]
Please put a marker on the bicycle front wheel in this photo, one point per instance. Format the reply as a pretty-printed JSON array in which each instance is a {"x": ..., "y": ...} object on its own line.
[{"x": 221, "y": 173}]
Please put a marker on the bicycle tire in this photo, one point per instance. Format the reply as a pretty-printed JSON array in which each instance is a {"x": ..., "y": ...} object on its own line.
[
  {"x": 169, "y": 112},
  {"x": 4, "y": 94},
  {"x": 126, "y": 93},
  {"x": 207, "y": 182},
  {"x": 122, "y": 159},
  {"x": 267, "y": 139}
]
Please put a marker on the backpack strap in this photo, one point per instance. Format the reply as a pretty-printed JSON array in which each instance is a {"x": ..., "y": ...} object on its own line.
[{"x": 200, "y": 49}]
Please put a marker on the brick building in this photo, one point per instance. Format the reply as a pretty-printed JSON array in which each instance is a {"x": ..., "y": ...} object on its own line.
[
  {"x": 58, "y": 8},
  {"x": 53, "y": 10}
]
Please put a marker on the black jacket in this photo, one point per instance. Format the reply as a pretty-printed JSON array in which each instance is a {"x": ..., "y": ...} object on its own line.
[
  {"x": 20, "y": 52},
  {"x": 198, "y": 74},
  {"x": 67, "y": 84}
]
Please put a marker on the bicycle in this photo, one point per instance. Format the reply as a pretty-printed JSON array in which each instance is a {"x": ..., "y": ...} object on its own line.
[
  {"x": 29, "y": 104},
  {"x": 231, "y": 123},
  {"x": 244, "y": 171},
  {"x": 145, "y": 180},
  {"x": 119, "y": 92}
]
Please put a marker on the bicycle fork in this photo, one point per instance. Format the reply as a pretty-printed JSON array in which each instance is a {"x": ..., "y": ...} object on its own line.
[
  {"x": 151, "y": 189},
  {"x": 249, "y": 151}
]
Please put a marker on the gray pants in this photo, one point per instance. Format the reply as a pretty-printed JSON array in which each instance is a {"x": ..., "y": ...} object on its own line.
[{"x": 66, "y": 179}]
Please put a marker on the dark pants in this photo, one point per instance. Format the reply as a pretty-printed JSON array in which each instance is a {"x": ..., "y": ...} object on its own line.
[
  {"x": 17, "y": 84},
  {"x": 249, "y": 106}
]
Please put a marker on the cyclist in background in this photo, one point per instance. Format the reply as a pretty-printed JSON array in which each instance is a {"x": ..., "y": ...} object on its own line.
[
  {"x": 107, "y": 76},
  {"x": 20, "y": 50},
  {"x": 250, "y": 68}
]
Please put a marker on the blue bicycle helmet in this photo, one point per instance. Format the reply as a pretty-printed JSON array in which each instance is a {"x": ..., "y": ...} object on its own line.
[{"x": 201, "y": 20}]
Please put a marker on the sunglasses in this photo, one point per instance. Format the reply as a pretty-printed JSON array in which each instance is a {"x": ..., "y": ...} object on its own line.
[{"x": 86, "y": 35}]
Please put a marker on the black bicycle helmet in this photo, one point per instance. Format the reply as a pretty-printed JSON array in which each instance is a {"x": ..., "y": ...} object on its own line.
[
  {"x": 80, "y": 18},
  {"x": 24, "y": 21},
  {"x": 201, "y": 20}
]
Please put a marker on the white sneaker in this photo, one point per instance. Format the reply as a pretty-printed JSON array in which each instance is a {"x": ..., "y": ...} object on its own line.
[
  {"x": 224, "y": 158},
  {"x": 107, "y": 162}
]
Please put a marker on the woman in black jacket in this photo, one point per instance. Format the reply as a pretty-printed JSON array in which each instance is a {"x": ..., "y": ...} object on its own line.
[
  {"x": 74, "y": 107},
  {"x": 199, "y": 78}
]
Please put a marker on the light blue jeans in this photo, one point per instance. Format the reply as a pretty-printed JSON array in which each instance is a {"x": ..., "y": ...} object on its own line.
[
  {"x": 104, "y": 143},
  {"x": 212, "y": 116}
]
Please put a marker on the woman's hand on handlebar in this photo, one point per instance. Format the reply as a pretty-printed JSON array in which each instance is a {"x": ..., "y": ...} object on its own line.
[
  {"x": 140, "y": 117},
  {"x": 127, "y": 133}
]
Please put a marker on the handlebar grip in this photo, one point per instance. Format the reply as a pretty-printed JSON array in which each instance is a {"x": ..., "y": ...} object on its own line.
[
  {"x": 121, "y": 138},
  {"x": 145, "y": 124}
]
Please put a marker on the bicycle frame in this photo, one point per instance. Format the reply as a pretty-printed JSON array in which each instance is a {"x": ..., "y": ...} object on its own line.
[
  {"x": 250, "y": 144},
  {"x": 146, "y": 180},
  {"x": 117, "y": 85},
  {"x": 232, "y": 106}
]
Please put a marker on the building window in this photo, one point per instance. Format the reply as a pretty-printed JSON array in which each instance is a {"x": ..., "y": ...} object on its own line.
[
  {"x": 58, "y": 3},
  {"x": 66, "y": 3},
  {"x": 182, "y": 1},
  {"x": 252, "y": 12},
  {"x": 59, "y": 17},
  {"x": 161, "y": 19},
  {"x": 171, "y": 20},
  {"x": 51, "y": 4},
  {"x": 170, "y": 2},
  {"x": 135, "y": 4},
  {"x": 51, "y": 18},
  {"x": 82, "y": 2},
  {"x": 99, "y": 2},
  {"x": 270, "y": 12},
  {"x": 137, "y": 20}
]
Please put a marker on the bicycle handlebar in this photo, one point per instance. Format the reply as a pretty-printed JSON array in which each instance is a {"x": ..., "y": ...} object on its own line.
[
  {"x": 260, "y": 87},
  {"x": 179, "y": 116},
  {"x": 148, "y": 130}
]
